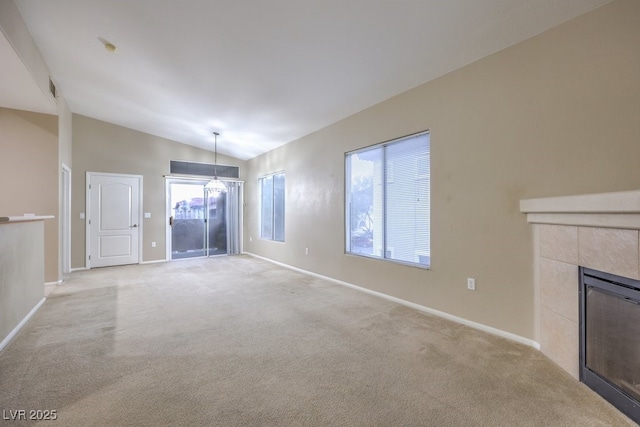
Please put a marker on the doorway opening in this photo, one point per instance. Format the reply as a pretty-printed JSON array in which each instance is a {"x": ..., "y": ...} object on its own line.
[{"x": 200, "y": 225}]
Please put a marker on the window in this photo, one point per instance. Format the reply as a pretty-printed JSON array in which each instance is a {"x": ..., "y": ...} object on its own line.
[
  {"x": 388, "y": 200},
  {"x": 272, "y": 207}
]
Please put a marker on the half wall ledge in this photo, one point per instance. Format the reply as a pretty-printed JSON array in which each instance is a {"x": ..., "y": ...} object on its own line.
[{"x": 23, "y": 218}]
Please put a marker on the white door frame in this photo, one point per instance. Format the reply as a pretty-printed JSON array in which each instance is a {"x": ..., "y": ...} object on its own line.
[
  {"x": 87, "y": 261},
  {"x": 65, "y": 219}
]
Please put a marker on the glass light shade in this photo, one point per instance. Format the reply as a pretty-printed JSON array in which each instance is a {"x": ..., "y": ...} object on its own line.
[{"x": 216, "y": 187}]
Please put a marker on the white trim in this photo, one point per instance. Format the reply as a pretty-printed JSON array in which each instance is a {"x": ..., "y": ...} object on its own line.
[
  {"x": 23, "y": 322},
  {"x": 140, "y": 218},
  {"x": 65, "y": 219},
  {"x": 167, "y": 227},
  {"x": 460, "y": 320},
  {"x": 87, "y": 218},
  {"x": 57, "y": 282},
  {"x": 155, "y": 261},
  {"x": 78, "y": 269},
  {"x": 241, "y": 216}
]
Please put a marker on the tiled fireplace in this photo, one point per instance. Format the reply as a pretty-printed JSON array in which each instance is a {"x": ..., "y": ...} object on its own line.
[{"x": 598, "y": 231}]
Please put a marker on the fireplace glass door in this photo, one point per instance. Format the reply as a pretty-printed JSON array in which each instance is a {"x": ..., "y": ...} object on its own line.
[
  {"x": 610, "y": 339},
  {"x": 613, "y": 339}
]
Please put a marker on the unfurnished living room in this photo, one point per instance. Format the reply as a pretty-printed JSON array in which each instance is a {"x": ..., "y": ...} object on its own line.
[{"x": 338, "y": 213}]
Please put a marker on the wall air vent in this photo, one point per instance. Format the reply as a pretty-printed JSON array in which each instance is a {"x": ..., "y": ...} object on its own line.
[{"x": 52, "y": 88}]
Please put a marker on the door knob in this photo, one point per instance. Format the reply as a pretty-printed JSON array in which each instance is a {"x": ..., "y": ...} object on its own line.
[{"x": 134, "y": 226}]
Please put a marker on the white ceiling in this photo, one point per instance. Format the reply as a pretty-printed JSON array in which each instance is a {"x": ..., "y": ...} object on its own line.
[{"x": 264, "y": 73}]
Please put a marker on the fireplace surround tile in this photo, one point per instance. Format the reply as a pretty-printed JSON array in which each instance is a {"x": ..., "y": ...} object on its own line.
[
  {"x": 558, "y": 289},
  {"x": 561, "y": 341},
  {"x": 611, "y": 250},
  {"x": 559, "y": 242}
]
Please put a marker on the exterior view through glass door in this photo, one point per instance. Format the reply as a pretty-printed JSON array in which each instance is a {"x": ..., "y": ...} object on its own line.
[{"x": 198, "y": 222}]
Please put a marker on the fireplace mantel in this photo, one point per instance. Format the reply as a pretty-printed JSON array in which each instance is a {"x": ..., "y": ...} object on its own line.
[
  {"x": 598, "y": 231},
  {"x": 606, "y": 210}
]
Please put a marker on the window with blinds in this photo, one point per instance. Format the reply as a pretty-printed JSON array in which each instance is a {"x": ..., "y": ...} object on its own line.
[
  {"x": 272, "y": 207},
  {"x": 388, "y": 200}
]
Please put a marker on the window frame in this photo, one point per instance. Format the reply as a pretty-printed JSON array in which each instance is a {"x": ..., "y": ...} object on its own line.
[
  {"x": 273, "y": 206},
  {"x": 386, "y": 179}
]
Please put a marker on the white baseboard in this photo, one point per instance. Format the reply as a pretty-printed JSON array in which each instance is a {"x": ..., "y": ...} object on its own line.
[
  {"x": 155, "y": 261},
  {"x": 78, "y": 269},
  {"x": 461, "y": 320},
  {"x": 23, "y": 322},
  {"x": 57, "y": 282}
]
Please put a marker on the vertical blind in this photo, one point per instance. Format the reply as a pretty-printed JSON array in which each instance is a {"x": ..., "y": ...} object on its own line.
[
  {"x": 234, "y": 217},
  {"x": 388, "y": 200}
]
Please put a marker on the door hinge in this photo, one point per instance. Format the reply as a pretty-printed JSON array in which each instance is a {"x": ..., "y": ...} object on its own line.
[
  {"x": 89, "y": 222},
  {"x": 89, "y": 257},
  {"x": 89, "y": 186}
]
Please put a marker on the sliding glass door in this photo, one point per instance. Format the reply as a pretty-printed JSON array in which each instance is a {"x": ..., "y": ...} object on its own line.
[
  {"x": 203, "y": 225},
  {"x": 188, "y": 219}
]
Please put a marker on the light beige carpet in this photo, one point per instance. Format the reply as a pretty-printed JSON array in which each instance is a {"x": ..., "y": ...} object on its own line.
[{"x": 237, "y": 341}]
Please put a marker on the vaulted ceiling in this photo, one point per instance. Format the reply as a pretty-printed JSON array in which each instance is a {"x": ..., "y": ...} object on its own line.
[{"x": 264, "y": 73}]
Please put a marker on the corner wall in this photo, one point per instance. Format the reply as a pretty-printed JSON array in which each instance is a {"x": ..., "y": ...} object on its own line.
[
  {"x": 29, "y": 173},
  {"x": 556, "y": 114}
]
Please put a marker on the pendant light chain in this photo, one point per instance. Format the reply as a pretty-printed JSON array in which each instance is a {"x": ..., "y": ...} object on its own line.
[
  {"x": 215, "y": 154},
  {"x": 215, "y": 187}
]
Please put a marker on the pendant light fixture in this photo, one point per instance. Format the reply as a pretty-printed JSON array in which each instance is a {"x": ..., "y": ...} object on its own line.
[{"x": 215, "y": 187}]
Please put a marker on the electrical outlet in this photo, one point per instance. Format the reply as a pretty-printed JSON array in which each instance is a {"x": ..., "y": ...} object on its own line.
[
  {"x": 153, "y": 244},
  {"x": 471, "y": 283},
  {"x": 306, "y": 251},
  {"x": 251, "y": 239}
]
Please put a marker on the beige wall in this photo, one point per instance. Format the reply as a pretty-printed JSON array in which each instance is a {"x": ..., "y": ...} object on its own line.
[
  {"x": 29, "y": 173},
  {"x": 556, "y": 114},
  {"x": 103, "y": 147}
]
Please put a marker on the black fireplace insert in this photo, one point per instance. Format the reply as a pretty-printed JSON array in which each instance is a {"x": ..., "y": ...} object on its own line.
[{"x": 610, "y": 338}]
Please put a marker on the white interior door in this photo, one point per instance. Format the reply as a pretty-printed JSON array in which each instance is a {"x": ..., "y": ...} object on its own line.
[{"x": 114, "y": 219}]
